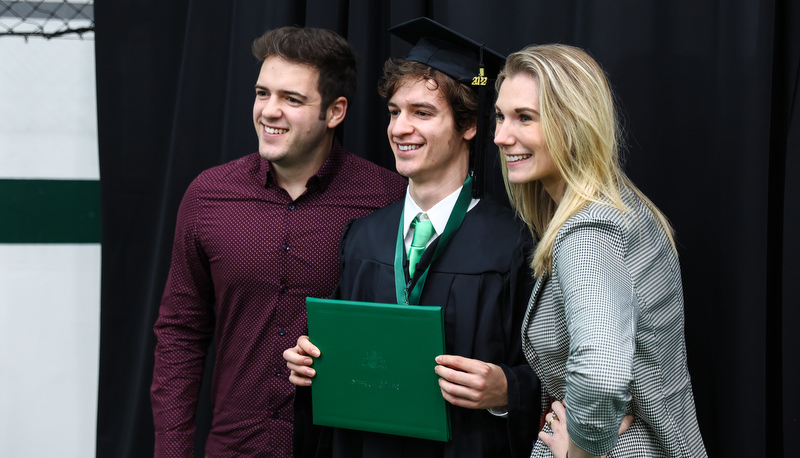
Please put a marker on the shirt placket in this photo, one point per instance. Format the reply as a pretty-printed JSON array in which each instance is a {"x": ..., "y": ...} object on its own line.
[{"x": 285, "y": 318}]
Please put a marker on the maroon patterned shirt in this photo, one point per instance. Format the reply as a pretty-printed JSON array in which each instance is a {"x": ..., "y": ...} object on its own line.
[{"x": 245, "y": 257}]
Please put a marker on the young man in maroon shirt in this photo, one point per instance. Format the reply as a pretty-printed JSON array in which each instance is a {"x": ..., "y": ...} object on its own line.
[{"x": 254, "y": 238}]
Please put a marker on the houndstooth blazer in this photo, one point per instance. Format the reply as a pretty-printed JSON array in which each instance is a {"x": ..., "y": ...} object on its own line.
[{"x": 604, "y": 332}]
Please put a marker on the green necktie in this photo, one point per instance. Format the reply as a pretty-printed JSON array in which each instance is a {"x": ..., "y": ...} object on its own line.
[{"x": 423, "y": 230}]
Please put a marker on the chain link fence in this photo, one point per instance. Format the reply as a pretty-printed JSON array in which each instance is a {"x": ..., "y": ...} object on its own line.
[{"x": 47, "y": 19}]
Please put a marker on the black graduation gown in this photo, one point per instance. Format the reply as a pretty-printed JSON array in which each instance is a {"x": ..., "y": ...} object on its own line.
[{"x": 483, "y": 282}]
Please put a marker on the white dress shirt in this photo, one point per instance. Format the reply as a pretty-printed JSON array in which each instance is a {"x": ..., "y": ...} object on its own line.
[{"x": 438, "y": 215}]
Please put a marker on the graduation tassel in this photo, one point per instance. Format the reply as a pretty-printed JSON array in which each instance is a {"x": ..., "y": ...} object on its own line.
[{"x": 478, "y": 161}]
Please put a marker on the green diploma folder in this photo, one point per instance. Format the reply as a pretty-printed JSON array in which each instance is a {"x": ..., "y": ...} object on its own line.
[{"x": 375, "y": 372}]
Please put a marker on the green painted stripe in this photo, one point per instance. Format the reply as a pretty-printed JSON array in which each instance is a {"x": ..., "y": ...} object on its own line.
[{"x": 49, "y": 211}]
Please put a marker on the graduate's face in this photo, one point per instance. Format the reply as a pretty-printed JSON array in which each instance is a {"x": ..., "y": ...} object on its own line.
[
  {"x": 422, "y": 132},
  {"x": 519, "y": 135}
]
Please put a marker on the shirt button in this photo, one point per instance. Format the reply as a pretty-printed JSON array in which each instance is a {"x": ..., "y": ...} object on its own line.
[
  {"x": 278, "y": 373},
  {"x": 291, "y": 207},
  {"x": 275, "y": 415},
  {"x": 281, "y": 332},
  {"x": 284, "y": 289},
  {"x": 286, "y": 247}
]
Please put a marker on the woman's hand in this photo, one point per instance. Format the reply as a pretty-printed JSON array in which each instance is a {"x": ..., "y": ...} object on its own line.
[{"x": 559, "y": 441}]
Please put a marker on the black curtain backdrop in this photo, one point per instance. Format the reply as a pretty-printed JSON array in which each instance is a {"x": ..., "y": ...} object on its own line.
[{"x": 709, "y": 94}]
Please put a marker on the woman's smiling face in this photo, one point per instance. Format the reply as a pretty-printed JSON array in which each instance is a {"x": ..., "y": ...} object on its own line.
[{"x": 519, "y": 133}]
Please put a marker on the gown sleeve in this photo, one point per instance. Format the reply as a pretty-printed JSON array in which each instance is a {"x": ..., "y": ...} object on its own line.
[{"x": 524, "y": 390}]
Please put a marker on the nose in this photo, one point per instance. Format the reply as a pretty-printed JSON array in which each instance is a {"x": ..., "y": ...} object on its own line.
[
  {"x": 502, "y": 137},
  {"x": 400, "y": 126},
  {"x": 271, "y": 108}
]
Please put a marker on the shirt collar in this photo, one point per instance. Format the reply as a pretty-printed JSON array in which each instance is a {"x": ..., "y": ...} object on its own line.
[
  {"x": 317, "y": 182},
  {"x": 438, "y": 214}
]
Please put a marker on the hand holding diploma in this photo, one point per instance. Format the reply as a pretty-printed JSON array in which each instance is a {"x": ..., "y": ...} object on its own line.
[
  {"x": 299, "y": 360},
  {"x": 471, "y": 383}
]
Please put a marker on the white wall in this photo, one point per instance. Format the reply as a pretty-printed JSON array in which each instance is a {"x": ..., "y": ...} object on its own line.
[{"x": 49, "y": 293}]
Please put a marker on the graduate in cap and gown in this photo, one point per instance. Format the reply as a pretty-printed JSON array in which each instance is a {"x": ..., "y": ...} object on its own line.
[{"x": 445, "y": 244}]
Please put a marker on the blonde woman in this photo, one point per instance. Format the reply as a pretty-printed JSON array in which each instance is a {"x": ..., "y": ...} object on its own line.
[{"x": 604, "y": 326}]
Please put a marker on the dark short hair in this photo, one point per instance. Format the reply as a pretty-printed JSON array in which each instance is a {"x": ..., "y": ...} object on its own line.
[
  {"x": 462, "y": 100},
  {"x": 322, "y": 49}
]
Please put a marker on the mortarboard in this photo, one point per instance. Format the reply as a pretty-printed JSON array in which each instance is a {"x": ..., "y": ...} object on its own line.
[{"x": 463, "y": 59}]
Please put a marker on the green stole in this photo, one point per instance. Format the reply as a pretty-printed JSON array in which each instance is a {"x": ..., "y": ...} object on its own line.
[{"x": 404, "y": 296}]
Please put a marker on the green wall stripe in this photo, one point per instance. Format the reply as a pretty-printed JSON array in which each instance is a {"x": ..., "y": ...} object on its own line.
[{"x": 49, "y": 211}]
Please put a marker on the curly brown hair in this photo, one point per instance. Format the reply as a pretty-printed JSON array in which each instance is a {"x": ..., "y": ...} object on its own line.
[{"x": 461, "y": 99}]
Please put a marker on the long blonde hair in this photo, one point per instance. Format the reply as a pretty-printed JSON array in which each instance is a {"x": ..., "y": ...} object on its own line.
[{"x": 581, "y": 132}]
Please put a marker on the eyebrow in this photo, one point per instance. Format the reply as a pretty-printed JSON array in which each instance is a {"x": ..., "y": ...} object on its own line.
[
  {"x": 425, "y": 105},
  {"x": 284, "y": 92},
  {"x": 519, "y": 110}
]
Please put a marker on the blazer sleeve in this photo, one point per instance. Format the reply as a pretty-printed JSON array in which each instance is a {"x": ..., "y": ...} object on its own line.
[{"x": 601, "y": 313}]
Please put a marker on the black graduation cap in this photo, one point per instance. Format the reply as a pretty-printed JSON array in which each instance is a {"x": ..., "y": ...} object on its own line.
[{"x": 462, "y": 59}]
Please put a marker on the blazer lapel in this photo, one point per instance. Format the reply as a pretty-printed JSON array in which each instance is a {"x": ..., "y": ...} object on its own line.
[{"x": 532, "y": 303}]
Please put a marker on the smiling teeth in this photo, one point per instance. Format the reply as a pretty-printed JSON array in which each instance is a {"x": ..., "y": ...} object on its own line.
[
  {"x": 270, "y": 130},
  {"x": 408, "y": 147},
  {"x": 517, "y": 158}
]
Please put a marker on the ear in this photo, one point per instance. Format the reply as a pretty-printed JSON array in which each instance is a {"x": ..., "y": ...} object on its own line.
[
  {"x": 469, "y": 132},
  {"x": 336, "y": 112}
]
